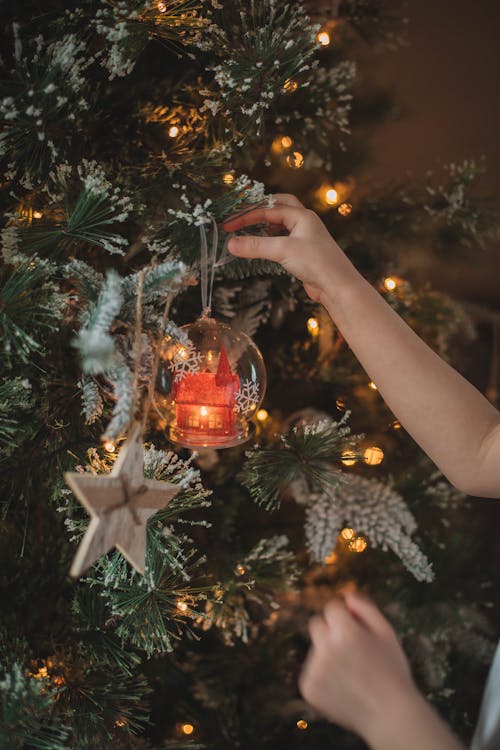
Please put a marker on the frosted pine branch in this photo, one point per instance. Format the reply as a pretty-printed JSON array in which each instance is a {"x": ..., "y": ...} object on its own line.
[{"x": 372, "y": 508}]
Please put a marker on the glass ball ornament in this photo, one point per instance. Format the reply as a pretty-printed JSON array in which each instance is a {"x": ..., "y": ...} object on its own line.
[{"x": 210, "y": 384}]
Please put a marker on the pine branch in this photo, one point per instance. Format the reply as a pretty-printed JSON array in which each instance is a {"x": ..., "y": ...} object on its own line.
[
  {"x": 307, "y": 454},
  {"x": 27, "y": 707},
  {"x": 30, "y": 306}
]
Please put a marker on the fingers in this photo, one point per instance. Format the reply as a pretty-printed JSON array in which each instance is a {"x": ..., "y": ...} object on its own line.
[
  {"x": 287, "y": 216},
  {"x": 286, "y": 199},
  {"x": 268, "y": 248},
  {"x": 366, "y": 612},
  {"x": 318, "y": 630}
]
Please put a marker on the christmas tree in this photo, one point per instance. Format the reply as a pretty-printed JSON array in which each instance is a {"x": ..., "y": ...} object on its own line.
[{"x": 130, "y": 131}]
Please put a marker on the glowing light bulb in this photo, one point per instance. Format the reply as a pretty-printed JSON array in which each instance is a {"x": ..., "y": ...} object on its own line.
[
  {"x": 313, "y": 326},
  {"x": 358, "y": 545},
  {"x": 183, "y": 352},
  {"x": 373, "y": 455},
  {"x": 182, "y": 606},
  {"x": 345, "y": 209},
  {"x": 372, "y": 385},
  {"x": 390, "y": 283},
  {"x": 348, "y": 458},
  {"x": 331, "y": 559},
  {"x": 187, "y": 729},
  {"x": 109, "y": 446},
  {"x": 262, "y": 415},
  {"x": 121, "y": 723},
  {"x": 240, "y": 569},
  {"x": 347, "y": 533},
  {"x": 295, "y": 160},
  {"x": 286, "y": 141},
  {"x": 37, "y": 214},
  {"x": 323, "y": 38},
  {"x": 302, "y": 724},
  {"x": 162, "y": 7},
  {"x": 203, "y": 411},
  {"x": 396, "y": 425},
  {"x": 331, "y": 196},
  {"x": 290, "y": 85},
  {"x": 228, "y": 178},
  {"x": 173, "y": 131}
]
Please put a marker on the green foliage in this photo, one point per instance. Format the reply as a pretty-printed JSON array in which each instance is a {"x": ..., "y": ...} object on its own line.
[
  {"x": 30, "y": 306},
  {"x": 305, "y": 453},
  {"x": 27, "y": 706}
]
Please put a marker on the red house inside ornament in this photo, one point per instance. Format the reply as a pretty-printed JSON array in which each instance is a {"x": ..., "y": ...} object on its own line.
[{"x": 205, "y": 405}]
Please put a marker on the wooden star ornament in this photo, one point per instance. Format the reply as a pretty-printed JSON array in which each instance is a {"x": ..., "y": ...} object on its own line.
[{"x": 120, "y": 504}]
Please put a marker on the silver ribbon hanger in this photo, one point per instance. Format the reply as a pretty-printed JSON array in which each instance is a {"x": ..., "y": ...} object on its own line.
[{"x": 209, "y": 261}]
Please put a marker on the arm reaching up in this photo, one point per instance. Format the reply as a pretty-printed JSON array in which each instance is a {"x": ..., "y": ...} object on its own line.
[{"x": 449, "y": 418}]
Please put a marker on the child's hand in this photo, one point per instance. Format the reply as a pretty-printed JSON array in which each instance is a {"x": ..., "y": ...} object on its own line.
[
  {"x": 309, "y": 252},
  {"x": 356, "y": 673}
]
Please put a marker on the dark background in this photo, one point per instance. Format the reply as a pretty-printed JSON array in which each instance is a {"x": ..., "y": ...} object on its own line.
[{"x": 446, "y": 85}]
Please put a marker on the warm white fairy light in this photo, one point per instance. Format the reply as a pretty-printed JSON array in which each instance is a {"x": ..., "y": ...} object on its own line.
[
  {"x": 295, "y": 160},
  {"x": 390, "y": 283},
  {"x": 347, "y": 533},
  {"x": 313, "y": 326},
  {"x": 348, "y": 458},
  {"x": 323, "y": 38},
  {"x": 345, "y": 209},
  {"x": 262, "y": 415},
  {"x": 331, "y": 196},
  {"x": 373, "y": 455},
  {"x": 173, "y": 131}
]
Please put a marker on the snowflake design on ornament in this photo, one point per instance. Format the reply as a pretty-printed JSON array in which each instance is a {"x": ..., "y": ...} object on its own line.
[
  {"x": 185, "y": 361},
  {"x": 248, "y": 396}
]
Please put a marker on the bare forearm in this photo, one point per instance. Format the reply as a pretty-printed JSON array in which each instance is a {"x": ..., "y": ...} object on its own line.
[
  {"x": 413, "y": 725},
  {"x": 453, "y": 423}
]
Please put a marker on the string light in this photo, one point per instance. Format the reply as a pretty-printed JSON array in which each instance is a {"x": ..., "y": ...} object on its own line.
[
  {"x": 240, "y": 569},
  {"x": 390, "y": 283},
  {"x": 358, "y": 545},
  {"x": 345, "y": 209},
  {"x": 313, "y": 327},
  {"x": 262, "y": 415},
  {"x": 121, "y": 723},
  {"x": 396, "y": 425},
  {"x": 286, "y": 141},
  {"x": 348, "y": 458},
  {"x": 109, "y": 446},
  {"x": 302, "y": 724},
  {"x": 37, "y": 214},
  {"x": 290, "y": 86},
  {"x": 162, "y": 7},
  {"x": 323, "y": 38},
  {"x": 372, "y": 385},
  {"x": 331, "y": 559},
  {"x": 347, "y": 534},
  {"x": 187, "y": 729},
  {"x": 182, "y": 606},
  {"x": 173, "y": 131},
  {"x": 228, "y": 178},
  {"x": 373, "y": 455},
  {"x": 295, "y": 160},
  {"x": 331, "y": 196}
]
